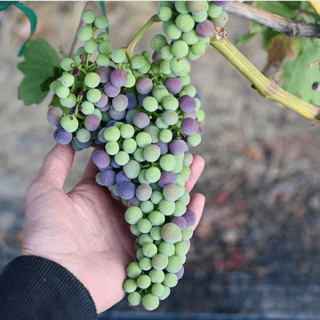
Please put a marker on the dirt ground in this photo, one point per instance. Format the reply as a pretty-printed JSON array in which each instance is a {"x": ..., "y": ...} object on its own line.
[{"x": 256, "y": 249}]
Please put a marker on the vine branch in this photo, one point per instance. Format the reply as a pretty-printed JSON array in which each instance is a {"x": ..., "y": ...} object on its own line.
[
  {"x": 288, "y": 26},
  {"x": 267, "y": 88}
]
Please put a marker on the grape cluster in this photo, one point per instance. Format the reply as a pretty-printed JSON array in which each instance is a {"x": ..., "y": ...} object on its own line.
[
  {"x": 146, "y": 114},
  {"x": 189, "y": 25}
]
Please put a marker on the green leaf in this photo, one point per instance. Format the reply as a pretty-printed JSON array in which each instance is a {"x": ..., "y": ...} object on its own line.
[
  {"x": 38, "y": 66},
  {"x": 282, "y": 8},
  {"x": 245, "y": 38},
  {"x": 267, "y": 37},
  {"x": 299, "y": 77},
  {"x": 45, "y": 85}
]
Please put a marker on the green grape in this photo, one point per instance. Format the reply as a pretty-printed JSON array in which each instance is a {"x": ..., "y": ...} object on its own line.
[
  {"x": 170, "y": 280},
  {"x": 155, "y": 68},
  {"x": 127, "y": 131},
  {"x": 178, "y": 167},
  {"x": 191, "y": 56},
  {"x": 112, "y": 148},
  {"x": 152, "y": 153},
  {"x": 67, "y": 79},
  {"x": 167, "y": 249},
  {"x": 149, "y": 249},
  {"x": 138, "y": 155},
  {"x": 157, "y": 289},
  {"x": 102, "y": 60},
  {"x": 129, "y": 145},
  {"x": 145, "y": 264},
  {"x": 221, "y": 20},
  {"x": 91, "y": 46},
  {"x": 170, "y": 232},
  {"x": 200, "y": 115},
  {"x": 166, "y": 207},
  {"x": 105, "y": 47},
  {"x": 155, "y": 233},
  {"x": 69, "y": 102},
  {"x": 147, "y": 206},
  {"x": 181, "y": 248},
  {"x": 133, "y": 215},
  {"x": 134, "y": 298},
  {"x": 164, "y": 13},
  {"x": 130, "y": 285},
  {"x": 181, "y": 191},
  {"x": 160, "y": 92},
  {"x": 201, "y": 17},
  {"x": 150, "y": 104},
  {"x": 185, "y": 80},
  {"x": 139, "y": 254},
  {"x": 170, "y": 103},
  {"x": 152, "y": 174},
  {"x": 156, "y": 276},
  {"x": 143, "y": 139},
  {"x": 131, "y": 81},
  {"x": 112, "y": 134},
  {"x": 118, "y": 124},
  {"x": 156, "y": 197},
  {"x": 92, "y": 79},
  {"x": 55, "y": 85},
  {"x": 101, "y": 22},
  {"x": 190, "y": 37},
  {"x": 144, "y": 225},
  {"x": 190, "y": 90},
  {"x": 171, "y": 192},
  {"x": 142, "y": 178},
  {"x": 145, "y": 68},
  {"x": 165, "y": 67},
  {"x": 138, "y": 61},
  {"x": 194, "y": 139},
  {"x": 146, "y": 54},
  {"x": 166, "y": 24},
  {"x": 185, "y": 172},
  {"x": 161, "y": 124},
  {"x": 84, "y": 34},
  {"x": 180, "y": 180},
  {"x": 187, "y": 233},
  {"x": 88, "y": 16},
  {"x": 154, "y": 132},
  {"x": 166, "y": 52},
  {"x": 173, "y": 32},
  {"x": 183, "y": 258},
  {"x": 134, "y": 230},
  {"x": 150, "y": 302},
  {"x": 121, "y": 158},
  {"x": 133, "y": 270},
  {"x": 98, "y": 113},
  {"x": 104, "y": 36},
  {"x": 143, "y": 281},
  {"x": 174, "y": 264},
  {"x": 157, "y": 42},
  {"x": 177, "y": 64},
  {"x": 165, "y": 135},
  {"x": 198, "y": 49},
  {"x": 167, "y": 162},
  {"x": 168, "y": 4},
  {"x": 83, "y": 135},
  {"x": 118, "y": 55},
  {"x": 145, "y": 238},
  {"x": 156, "y": 218},
  {"x": 204, "y": 41},
  {"x": 185, "y": 71},
  {"x": 181, "y": 6},
  {"x": 184, "y": 22},
  {"x": 87, "y": 107},
  {"x": 69, "y": 123},
  {"x": 93, "y": 95},
  {"x": 62, "y": 92},
  {"x": 166, "y": 293},
  {"x": 160, "y": 260}
]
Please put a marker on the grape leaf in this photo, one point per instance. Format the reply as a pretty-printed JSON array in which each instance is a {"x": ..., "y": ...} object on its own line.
[
  {"x": 298, "y": 77},
  {"x": 38, "y": 66},
  {"x": 245, "y": 38}
]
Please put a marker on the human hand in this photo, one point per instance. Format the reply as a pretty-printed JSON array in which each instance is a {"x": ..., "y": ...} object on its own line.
[{"x": 85, "y": 230}]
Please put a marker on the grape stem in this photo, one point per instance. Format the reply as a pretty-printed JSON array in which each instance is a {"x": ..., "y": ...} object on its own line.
[
  {"x": 266, "y": 87},
  {"x": 133, "y": 42},
  {"x": 315, "y": 6}
]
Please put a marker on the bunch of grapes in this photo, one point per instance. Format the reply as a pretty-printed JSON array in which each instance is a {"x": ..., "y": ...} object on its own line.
[{"x": 146, "y": 114}]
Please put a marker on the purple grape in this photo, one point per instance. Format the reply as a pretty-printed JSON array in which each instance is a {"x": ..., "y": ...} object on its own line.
[
  {"x": 180, "y": 273},
  {"x": 54, "y": 115},
  {"x": 180, "y": 222},
  {"x": 120, "y": 102},
  {"x": 110, "y": 90},
  {"x": 91, "y": 122},
  {"x": 101, "y": 136},
  {"x": 200, "y": 130},
  {"x": 187, "y": 104},
  {"x": 108, "y": 178},
  {"x": 104, "y": 73},
  {"x": 75, "y": 71},
  {"x": 61, "y": 136},
  {"x": 205, "y": 29},
  {"x": 111, "y": 123},
  {"x": 130, "y": 114},
  {"x": 97, "y": 142},
  {"x": 167, "y": 177},
  {"x": 174, "y": 85},
  {"x": 134, "y": 202},
  {"x": 143, "y": 192},
  {"x": 144, "y": 85},
  {"x": 72, "y": 110},
  {"x": 101, "y": 159},
  {"x": 82, "y": 145},
  {"x": 105, "y": 108},
  {"x": 132, "y": 100},
  {"x": 178, "y": 146},
  {"x": 114, "y": 164},
  {"x": 190, "y": 218},
  {"x": 118, "y": 78},
  {"x": 156, "y": 57},
  {"x": 140, "y": 98},
  {"x": 117, "y": 115},
  {"x": 127, "y": 190},
  {"x": 189, "y": 126},
  {"x": 94, "y": 134},
  {"x": 221, "y": 4},
  {"x": 121, "y": 177},
  {"x": 102, "y": 102},
  {"x": 164, "y": 148},
  {"x": 141, "y": 120}
]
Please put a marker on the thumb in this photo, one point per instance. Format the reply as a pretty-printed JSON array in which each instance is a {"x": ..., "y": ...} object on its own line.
[{"x": 56, "y": 166}]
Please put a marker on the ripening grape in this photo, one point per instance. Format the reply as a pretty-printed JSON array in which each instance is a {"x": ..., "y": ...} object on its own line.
[
  {"x": 171, "y": 233},
  {"x": 141, "y": 120},
  {"x": 205, "y": 29},
  {"x": 62, "y": 136},
  {"x": 221, "y": 20},
  {"x": 84, "y": 34},
  {"x": 110, "y": 90}
]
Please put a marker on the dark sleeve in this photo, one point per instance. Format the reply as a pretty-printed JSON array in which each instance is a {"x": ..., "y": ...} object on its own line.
[{"x": 34, "y": 288}]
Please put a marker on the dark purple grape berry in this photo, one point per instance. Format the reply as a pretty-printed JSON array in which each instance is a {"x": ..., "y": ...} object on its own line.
[
  {"x": 189, "y": 126},
  {"x": 118, "y": 78},
  {"x": 110, "y": 90},
  {"x": 174, "y": 85},
  {"x": 108, "y": 178},
  {"x": 178, "y": 146},
  {"x": 187, "y": 104},
  {"x": 127, "y": 190},
  {"x": 205, "y": 29},
  {"x": 190, "y": 218},
  {"x": 180, "y": 222}
]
